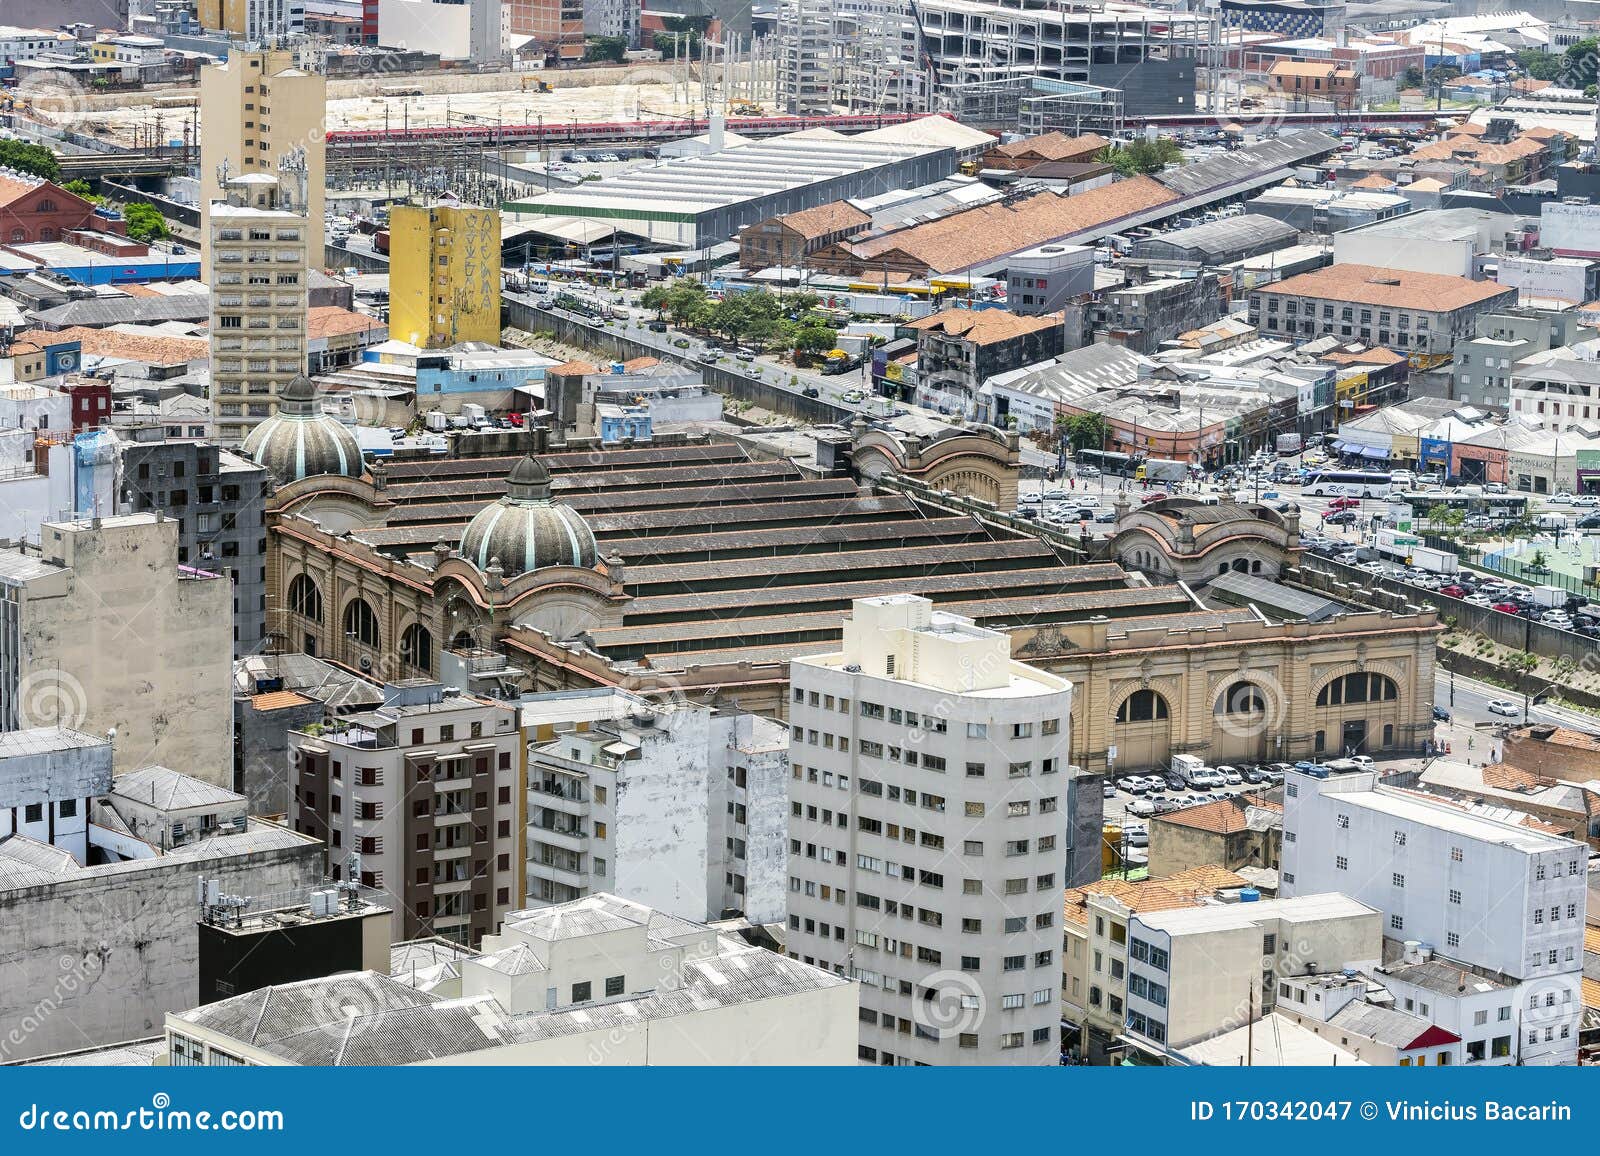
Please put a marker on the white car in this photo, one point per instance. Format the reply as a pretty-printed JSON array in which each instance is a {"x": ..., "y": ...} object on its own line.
[
  {"x": 1133, "y": 784},
  {"x": 1563, "y": 496},
  {"x": 1586, "y": 500},
  {"x": 1230, "y": 776},
  {"x": 1088, "y": 472},
  {"x": 1144, "y": 808},
  {"x": 1363, "y": 761},
  {"x": 1504, "y": 706},
  {"x": 1478, "y": 600}
]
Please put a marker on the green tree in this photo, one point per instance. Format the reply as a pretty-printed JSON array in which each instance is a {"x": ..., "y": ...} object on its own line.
[
  {"x": 814, "y": 339},
  {"x": 657, "y": 297},
  {"x": 683, "y": 300},
  {"x": 1438, "y": 514},
  {"x": 1083, "y": 431},
  {"x": 599, "y": 49},
  {"x": 1142, "y": 155},
  {"x": 144, "y": 222},
  {"x": 1539, "y": 563},
  {"x": 29, "y": 158},
  {"x": 1413, "y": 77}
]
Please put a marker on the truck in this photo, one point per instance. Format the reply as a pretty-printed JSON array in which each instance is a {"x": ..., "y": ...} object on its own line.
[
  {"x": 1162, "y": 470},
  {"x": 1195, "y": 772},
  {"x": 475, "y": 415},
  {"x": 1289, "y": 444},
  {"x": 1549, "y": 597},
  {"x": 1404, "y": 546}
]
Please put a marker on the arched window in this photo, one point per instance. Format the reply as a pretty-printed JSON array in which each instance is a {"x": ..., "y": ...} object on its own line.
[
  {"x": 416, "y": 646},
  {"x": 462, "y": 640},
  {"x": 1143, "y": 706},
  {"x": 18, "y": 235},
  {"x": 304, "y": 598},
  {"x": 1242, "y": 698},
  {"x": 47, "y": 234},
  {"x": 361, "y": 624},
  {"x": 1358, "y": 687}
]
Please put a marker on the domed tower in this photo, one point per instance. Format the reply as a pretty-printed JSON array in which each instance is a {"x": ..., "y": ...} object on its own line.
[
  {"x": 300, "y": 441},
  {"x": 525, "y": 530}
]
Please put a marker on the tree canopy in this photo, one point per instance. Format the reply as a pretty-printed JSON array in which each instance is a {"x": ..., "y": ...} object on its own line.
[
  {"x": 144, "y": 222},
  {"x": 1142, "y": 155},
  {"x": 29, "y": 158}
]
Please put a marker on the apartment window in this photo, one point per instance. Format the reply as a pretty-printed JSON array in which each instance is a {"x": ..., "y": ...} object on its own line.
[
  {"x": 1455, "y": 854},
  {"x": 614, "y": 985},
  {"x": 580, "y": 992},
  {"x": 1455, "y": 896},
  {"x": 1341, "y": 863},
  {"x": 1397, "y": 879},
  {"x": 1396, "y": 923}
]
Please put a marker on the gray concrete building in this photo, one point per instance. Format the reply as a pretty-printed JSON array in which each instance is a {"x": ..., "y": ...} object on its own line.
[
  {"x": 218, "y": 500},
  {"x": 98, "y": 953},
  {"x": 102, "y": 629},
  {"x": 1481, "y": 371}
]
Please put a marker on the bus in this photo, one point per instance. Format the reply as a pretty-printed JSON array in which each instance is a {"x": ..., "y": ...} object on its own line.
[
  {"x": 1106, "y": 461},
  {"x": 1348, "y": 484}
]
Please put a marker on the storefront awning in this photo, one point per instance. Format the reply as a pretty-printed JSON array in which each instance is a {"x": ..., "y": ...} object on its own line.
[{"x": 1375, "y": 453}]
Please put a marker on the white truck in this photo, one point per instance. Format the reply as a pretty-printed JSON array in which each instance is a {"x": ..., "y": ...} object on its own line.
[
  {"x": 1288, "y": 445},
  {"x": 1550, "y": 597},
  {"x": 1406, "y": 547},
  {"x": 1195, "y": 772}
]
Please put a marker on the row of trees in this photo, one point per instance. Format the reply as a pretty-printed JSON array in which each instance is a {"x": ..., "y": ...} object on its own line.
[
  {"x": 757, "y": 317},
  {"x": 1574, "y": 68}
]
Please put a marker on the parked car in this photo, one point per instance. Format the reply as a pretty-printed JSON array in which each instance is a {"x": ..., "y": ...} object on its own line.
[
  {"x": 1105, "y": 516},
  {"x": 1133, "y": 784},
  {"x": 1340, "y": 518},
  {"x": 1506, "y": 607},
  {"x": 1110, "y": 791},
  {"x": 1504, "y": 706},
  {"x": 1453, "y": 591},
  {"x": 1142, "y": 808},
  {"x": 1363, "y": 761}
]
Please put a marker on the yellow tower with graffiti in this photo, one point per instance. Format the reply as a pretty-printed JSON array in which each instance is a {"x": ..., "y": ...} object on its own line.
[{"x": 444, "y": 275}]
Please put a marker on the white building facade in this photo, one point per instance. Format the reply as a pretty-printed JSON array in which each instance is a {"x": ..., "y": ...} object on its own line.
[
  {"x": 676, "y": 806},
  {"x": 927, "y": 835},
  {"x": 1492, "y": 894}
]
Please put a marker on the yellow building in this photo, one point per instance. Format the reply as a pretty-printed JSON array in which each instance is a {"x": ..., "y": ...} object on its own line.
[
  {"x": 256, "y": 110},
  {"x": 444, "y": 275}
]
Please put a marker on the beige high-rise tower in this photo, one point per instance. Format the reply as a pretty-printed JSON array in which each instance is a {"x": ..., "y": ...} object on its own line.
[
  {"x": 256, "y": 253},
  {"x": 256, "y": 108}
]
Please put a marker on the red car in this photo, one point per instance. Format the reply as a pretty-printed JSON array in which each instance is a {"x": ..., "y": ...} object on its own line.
[
  {"x": 1152, "y": 497},
  {"x": 1452, "y": 592},
  {"x": 1508, "y": 608},
  {"x": 1344, "y": 504}
]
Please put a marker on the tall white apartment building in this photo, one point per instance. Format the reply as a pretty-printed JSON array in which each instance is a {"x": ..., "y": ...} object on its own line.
[
  {"x": 928, "y": 802},
  {"x": 257, "y": 253},
  {"x": 677, "y": 806},
  {"x": 1494, "y": 895}
]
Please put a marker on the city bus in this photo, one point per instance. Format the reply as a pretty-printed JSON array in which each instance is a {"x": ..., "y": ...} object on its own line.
[{"x": 1348, "y": 484}]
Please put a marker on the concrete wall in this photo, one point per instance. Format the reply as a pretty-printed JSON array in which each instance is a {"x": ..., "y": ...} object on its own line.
[
  {"x": 135, "y": 646},
  {"x": 663, "y": 807},
  {"x": 100, "y": 958}
]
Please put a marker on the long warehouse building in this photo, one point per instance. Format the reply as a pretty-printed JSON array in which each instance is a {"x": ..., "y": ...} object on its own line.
[{"x": 696, "y": 202}]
